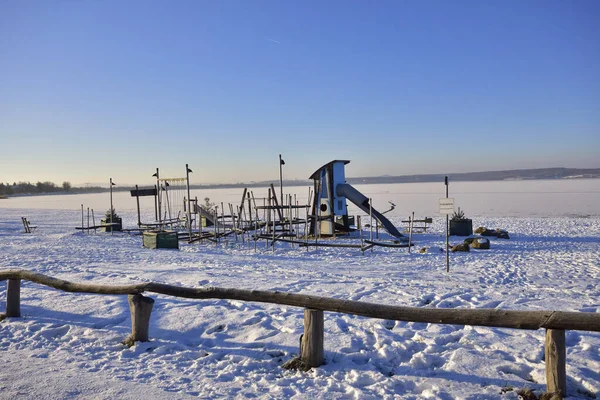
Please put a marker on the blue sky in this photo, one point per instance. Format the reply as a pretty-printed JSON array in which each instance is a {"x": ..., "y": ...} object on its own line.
[{"x": 98, "y": 89}]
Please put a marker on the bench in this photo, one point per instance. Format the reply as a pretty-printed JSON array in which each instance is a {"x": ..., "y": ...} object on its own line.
[
  {"x": 27, "y": 226},
  {"x": 419, "y": 225}
]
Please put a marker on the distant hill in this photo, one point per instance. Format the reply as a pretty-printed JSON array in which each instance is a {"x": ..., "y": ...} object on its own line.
[{"x": 516, "y": 174}]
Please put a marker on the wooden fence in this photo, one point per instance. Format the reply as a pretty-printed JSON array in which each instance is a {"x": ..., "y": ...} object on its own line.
[{"x": 311, "y": 347}]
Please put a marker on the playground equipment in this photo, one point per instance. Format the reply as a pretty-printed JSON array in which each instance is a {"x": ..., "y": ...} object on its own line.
[
  {"x": 329, "y": 209},
  {"x": 285, "y": 220},
  {"x": 171, "y": 203},
  {"x": 281, "y": 219}
]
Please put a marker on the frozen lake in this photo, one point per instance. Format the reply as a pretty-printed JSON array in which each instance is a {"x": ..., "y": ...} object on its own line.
[{"x": 538, "y": 198}]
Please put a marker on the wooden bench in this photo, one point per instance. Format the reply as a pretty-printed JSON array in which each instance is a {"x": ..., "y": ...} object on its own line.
[
  {"x": 27, "y": 226},
  {"x": 419, "y": 225}
]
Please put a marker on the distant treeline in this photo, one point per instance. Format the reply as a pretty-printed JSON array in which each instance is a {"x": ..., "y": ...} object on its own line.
[
  {"x": 25, "y": 188},
  {"x": 19, "y": 188}
]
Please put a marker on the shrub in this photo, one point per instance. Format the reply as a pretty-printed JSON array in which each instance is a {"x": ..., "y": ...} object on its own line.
[
  {"x": 458, "y": 215},
  {"x": 112, "y": 212}
]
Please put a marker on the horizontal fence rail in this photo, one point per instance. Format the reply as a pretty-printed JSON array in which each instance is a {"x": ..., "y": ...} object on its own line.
[
  {"x": 311, "y": 348},
  {"x": 453, "y": 316}
]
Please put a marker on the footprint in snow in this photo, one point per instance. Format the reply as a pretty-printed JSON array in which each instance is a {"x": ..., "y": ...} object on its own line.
[
  {"x": 572, "y": 338},
  {"x": 342, "y": 325},
  {"x": 522, "y": 372},
  {"x": 53, "y": 333},
  {"x": 254, "y": 319},
  {"x": 360, "y": 359},
  {"x": 492, "y": 304},
  {"x": 216, "y": 328},
  {"x": 388, "y": 324}
]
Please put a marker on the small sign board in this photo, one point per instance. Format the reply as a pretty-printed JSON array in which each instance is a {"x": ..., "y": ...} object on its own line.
[
  {"x": 143, "y": 192},
  {"x": 446, "y": 205}
]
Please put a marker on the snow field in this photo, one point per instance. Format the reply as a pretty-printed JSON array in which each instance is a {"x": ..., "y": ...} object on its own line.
[{"x": 220, "y": 348}]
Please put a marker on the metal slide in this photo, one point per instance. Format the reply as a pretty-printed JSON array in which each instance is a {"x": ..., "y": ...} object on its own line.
[{"x": 362, "y": 202}]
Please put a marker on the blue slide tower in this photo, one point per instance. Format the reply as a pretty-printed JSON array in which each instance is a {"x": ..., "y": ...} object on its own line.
[{"x": 331, "y": 192}]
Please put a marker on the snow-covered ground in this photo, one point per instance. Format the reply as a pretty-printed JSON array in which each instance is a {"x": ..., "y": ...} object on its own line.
[{"x": 69, "y": 345}]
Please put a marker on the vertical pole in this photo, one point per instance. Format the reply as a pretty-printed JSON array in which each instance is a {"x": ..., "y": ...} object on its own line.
[
  {"x": 155, "y": 203},
  {"x": 273, "y": 244},
  {"x": 233, "y": 221},
  {"x": 249, "y": 214},
  {"x": 291, "y": 216},
  {"x": 88, "y": 219},
  {"x": 555, "y": 354},
  {"x": 168, "y": 208},
  {"x": 239, "y": 217},
  {"x": 371, "y": 220},
  {"x": 13, "y": 298},
  {"x": 243, "y": 220},
  {"x": 111, "y": 207},
  {"x": 158, "y": 199},
  {"x": 241, "y": 209},
  {"x": 360, "y": 232},
  {"x": 281, "y": 178},
  {"x": 216, "y": 226},
  {"x": 137, "y": 199},
  {"x": 269, "y": 212},
  {"x": 306, "y": 226},
  {"x": 140, "y": 308},
  {"x": 276, "y": 203},
  {"x": 258, "y": 229},
  {"x": 256, "y": 224},
  {"x": 447, "y": 232},
  {"x": 223, "y": 218},
  {"x": 82, "y": 219},
  {"x": 371, "y": 216},
  {"x": 189, "y": 212},
  {"x": 411, "y": 220},
  {"x": 312, "y": 341}
]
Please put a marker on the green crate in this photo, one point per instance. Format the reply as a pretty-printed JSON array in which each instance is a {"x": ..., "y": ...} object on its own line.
[{"x": 161, "y": 240}]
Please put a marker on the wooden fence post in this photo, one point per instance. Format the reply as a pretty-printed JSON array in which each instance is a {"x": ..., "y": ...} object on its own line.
[
  {"x": 312, "y": 341},
  {"x": 555, "y": 354},
  {"x": 141, "y": 308},
  {"x": 13, "y": 298}
]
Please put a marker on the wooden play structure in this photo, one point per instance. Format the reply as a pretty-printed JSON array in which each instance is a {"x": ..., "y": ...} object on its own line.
[
  {"x": 315, "y": 224},
  {"x": 271, "y": 218}
]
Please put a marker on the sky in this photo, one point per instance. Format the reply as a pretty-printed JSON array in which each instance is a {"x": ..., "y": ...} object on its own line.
[{"x": 96, "y": 89}]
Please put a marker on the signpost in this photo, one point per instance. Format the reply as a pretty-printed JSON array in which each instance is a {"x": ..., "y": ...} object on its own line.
[{"x": 447, "y": 207}]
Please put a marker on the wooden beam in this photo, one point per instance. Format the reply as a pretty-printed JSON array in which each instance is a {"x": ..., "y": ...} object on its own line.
[
  {"x": 556, "y": 354},
  {"x": 312, "y": 340},
  {"x": 276, "y": 203},
  {"x": 585, "y": 321},
  {"x": 239, "y": 216},
  {"x": 280, "y": 207}
]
